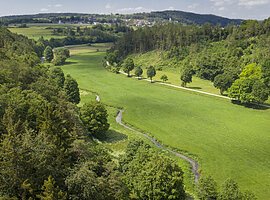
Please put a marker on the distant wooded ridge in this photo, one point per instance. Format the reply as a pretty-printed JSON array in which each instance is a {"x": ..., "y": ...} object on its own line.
[{"x": 157, "y": 16}]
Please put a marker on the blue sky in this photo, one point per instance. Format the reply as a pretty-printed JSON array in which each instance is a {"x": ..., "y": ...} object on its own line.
[{"x": 245, "y": 9}]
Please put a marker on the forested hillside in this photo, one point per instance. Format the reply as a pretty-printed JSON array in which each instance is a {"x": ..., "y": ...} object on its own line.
[
  {"x": 46, "y": 142},
  {"x": 157, "y": 17},
  {"x": 186, "y": 17},
  {"x": 235, "y": 58}
]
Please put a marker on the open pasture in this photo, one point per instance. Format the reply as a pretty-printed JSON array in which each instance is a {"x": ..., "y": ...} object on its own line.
[
  {"x": 35, "y": 31},
  {"x": 228, "y": 140}
]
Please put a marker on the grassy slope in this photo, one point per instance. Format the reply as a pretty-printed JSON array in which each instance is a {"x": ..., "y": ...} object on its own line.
[
  {"x": 155, "y": 58},
  {"x": 228, "y": 140},
  {"x": 169, "y": 68}
]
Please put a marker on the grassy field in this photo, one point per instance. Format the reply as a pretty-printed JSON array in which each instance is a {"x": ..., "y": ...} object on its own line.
[
  {"x": 154, "y": 58},
  {"x": 35, "y": 31},
  {"x": 228, "y": 140}
]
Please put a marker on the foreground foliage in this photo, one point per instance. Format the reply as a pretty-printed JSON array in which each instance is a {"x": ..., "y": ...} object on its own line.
[
  {"x": 149, "y": 175},
  {"x": 46, "y": 145},
  {"x": 94, "y": 116},
  {"x": 208, "y": 190}
]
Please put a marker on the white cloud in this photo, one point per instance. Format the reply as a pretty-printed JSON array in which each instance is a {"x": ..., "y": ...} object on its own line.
[
  {"x": 58, "y": 5},
  {"x": 171, "y": 8},
  {"x": 193, "y": 6},
  {"x": 133, "y": 10},
  {"x": 219, "y": 3},
  {"x": 221, "y": 8},
  {"x": 44, "y": 10},
  {"x": 247, "y": 3},
  {"x": 108, "y": 6},
  {"x": 250, "y": 3}
]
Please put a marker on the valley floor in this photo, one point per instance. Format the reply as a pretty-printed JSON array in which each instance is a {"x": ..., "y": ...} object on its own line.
[{"x": 227, "y": 140}]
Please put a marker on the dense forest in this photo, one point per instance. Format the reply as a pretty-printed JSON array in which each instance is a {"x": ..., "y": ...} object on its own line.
[
  {"x": 185, "y": 17},
  {"x": 235, "y": 58},
  {"x": 46, "y": 142}
]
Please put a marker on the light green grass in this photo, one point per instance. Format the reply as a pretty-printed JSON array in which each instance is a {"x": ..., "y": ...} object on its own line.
[
  {"x": 228, "y": 140},
  {"x": 155, "y": 58},
  {"x": 79, "y": 49},
  {"x": 35, "y": 31}
]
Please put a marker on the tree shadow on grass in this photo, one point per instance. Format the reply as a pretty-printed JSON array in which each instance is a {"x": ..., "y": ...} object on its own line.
[
  {"x": 195, "y": 88},
  {"x": 112, "y": 136},
  {"x": 249, "y": 105},
  {"x": 70, "y": 63}
]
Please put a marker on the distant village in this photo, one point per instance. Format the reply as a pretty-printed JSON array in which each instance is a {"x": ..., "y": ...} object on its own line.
[{"x": 110, "y": 21}]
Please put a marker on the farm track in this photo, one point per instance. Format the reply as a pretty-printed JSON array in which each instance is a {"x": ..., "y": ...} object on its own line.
[{"x": 197, "y": 91}]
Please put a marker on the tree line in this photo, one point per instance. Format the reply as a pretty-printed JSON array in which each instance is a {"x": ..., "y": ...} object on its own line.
[{"x": 235, "y": 58}]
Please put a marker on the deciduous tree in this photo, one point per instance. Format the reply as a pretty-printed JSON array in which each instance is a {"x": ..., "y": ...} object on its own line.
[
  {"x": 145, "y": 172},
  {"x": 207, "y": 188},
  {"x": 60, "y": 56},
  {"x": 138, "y": 72},
  {"x": 95, "y": 117},
  {"x": 223, "y": 82},
  {"x": 128, "y": 66},
  {"x": 164, "y": 78},
  {"x": 230, "y": 191},
  {"x": 58, "y": 75},
  {"x": 151, "y": 72},
  {"x": 186, "y": 76}
]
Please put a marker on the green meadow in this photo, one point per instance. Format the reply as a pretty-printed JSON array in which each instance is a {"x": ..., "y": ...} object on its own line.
[
  {"x": 154, "y": 58},
  {"x": 228, "y": 140},
  {"x": 35, "y": 31}
]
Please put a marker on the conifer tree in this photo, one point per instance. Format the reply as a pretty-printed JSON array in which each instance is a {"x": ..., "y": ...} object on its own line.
[{"x": 72, "y": 90}]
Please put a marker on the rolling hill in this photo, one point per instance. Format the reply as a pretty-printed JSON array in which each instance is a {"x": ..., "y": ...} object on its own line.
[{"x": 158, "y": 16}]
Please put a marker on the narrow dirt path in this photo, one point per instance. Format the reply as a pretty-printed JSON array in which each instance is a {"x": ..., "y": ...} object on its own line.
[
  {"x": 197, "y": 91},
  {"x": 193, "y": 163},
  {"x": 183, "y": 88}
]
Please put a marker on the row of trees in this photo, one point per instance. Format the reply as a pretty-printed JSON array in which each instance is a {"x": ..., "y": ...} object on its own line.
[
  {"x": 112, "y": 63},
  {"x": 42, "y": 44},
  {"x": 207, "y": 189},
  {"x": 217, "y": 54},
  {"x": 57, "y": 56},
  {"x": 105, "y": 32}
]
